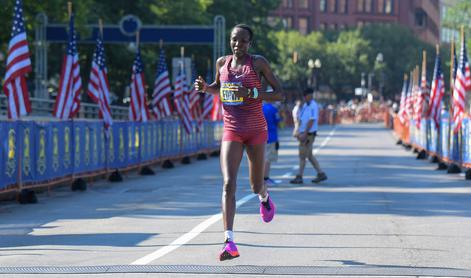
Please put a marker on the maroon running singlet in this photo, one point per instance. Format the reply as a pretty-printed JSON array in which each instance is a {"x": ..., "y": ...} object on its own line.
[{"x": 243, "y": 117}]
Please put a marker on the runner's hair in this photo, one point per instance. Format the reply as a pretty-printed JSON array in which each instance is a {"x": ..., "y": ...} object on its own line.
[{"x": 246, "y": 28}]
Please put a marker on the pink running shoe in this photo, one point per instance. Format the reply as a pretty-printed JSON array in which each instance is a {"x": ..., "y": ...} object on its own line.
[
  {"x": 229, "y": 251},
  {"x": 267, "y": 210}
]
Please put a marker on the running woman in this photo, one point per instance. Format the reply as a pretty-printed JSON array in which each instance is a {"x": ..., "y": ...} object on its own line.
[{"x": 238, "y": 81}]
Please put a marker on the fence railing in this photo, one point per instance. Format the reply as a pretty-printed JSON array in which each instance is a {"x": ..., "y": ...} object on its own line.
[
  {"x": 38, "y": 153},
  {"x": 42, "y": 108},
  {"x": 448, "y": 146}
]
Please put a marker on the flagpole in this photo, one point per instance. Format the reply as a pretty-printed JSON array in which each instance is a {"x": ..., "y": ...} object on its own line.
[
  {"x": 466, "y": 110},
  {"x": 100, "y": 27},
  {"x": 452, "y": 65},
  {"x": 100, "y": 34},
  {"x": 69, "y": 8},
  {"x": 424, "y": 107},
  {"x": 69, "y": 12},
  {"x": 182, "y": 68}
]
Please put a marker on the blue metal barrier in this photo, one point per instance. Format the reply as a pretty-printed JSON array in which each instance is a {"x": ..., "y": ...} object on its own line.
[
  {"x": 423, "y": 134},
  {"x": 432, "y": 138},
  {"x": 9, "y": 154},
  {"x": 444, "y": 143},
  {"x": 466, "y": 143},
  {"x": 52, "y": 150},
  {"x": 455, "y": 139}
]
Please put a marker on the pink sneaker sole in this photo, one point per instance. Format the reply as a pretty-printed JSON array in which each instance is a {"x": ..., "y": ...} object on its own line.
[
  {"x": 267, "y": 214},
  {"x": 229, "y": 252}
]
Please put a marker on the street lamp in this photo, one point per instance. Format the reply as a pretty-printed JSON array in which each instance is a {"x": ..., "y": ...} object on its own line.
[
  {"x": 315, "y": 66},
  {"x": 379, "y": 61}
]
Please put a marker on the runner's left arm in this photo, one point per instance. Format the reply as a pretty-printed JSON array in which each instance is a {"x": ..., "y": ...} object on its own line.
[{"x": 262, "y": 66}]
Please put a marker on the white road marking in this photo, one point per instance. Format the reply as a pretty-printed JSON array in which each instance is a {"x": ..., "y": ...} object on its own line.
[
  {"x": 208, "y": 222},
  {"x": 188, "y": 236}
]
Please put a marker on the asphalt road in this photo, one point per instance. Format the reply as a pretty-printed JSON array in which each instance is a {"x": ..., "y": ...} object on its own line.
[{"x": 381, "y": 213}]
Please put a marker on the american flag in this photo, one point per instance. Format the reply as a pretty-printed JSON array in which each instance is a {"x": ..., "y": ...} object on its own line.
[
  {"x": 18, "y": 65},
  {"x": 418, "y": 106},
  {"x": 422, "y": 97},
  {"x": 217, "y": 112},
  {"x": 98, "y": 86},
  {"x": 195, "y": 100},
  {"x": 425, "y": 87},
  {"x": 70, "y": 84},
  {"x": 162, "y": 90},
  {"x": 181, "y": 101},
  {"x": 138, "y": 107},
  {"x": 453, "y": 74},
  {"x": 207, "y": 99},
  {"x": 207, "y": 106},
  {"x": 437, "y": 92},
  {"x": 402, "y": 105},
  {"x": 462, "y": 84},
  {"x": 409, "y": 99}
]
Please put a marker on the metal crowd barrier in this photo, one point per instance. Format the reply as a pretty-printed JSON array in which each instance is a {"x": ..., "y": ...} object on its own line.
[
  {"x": 43, "y": 108},
  {"x": 41, "y": 153},
  {"x": 441, "y": 141}
]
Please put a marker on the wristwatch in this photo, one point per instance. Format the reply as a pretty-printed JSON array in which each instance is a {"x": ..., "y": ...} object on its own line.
[{"x": 254, "y": 92}]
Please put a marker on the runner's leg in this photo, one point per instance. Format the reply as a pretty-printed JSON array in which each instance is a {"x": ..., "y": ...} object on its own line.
[
  {"x": 256, "y": 159},
  {"x": 231, "y": 156}
]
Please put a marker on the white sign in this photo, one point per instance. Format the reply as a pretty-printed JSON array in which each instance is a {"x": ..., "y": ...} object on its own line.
[
  {"x": 176, "y": 64},
  {"x": 358, "y": 91}
]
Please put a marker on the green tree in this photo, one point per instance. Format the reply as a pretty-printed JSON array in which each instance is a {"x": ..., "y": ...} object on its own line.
[
  {"x": 401, "y": 51},
  {"x": 457, "y": 16},
  {"x": 251, "y": 12},
  {"x": 159, "y": 12},
  {"x": 295, "y": 73},
  {"x": 342, "y": 60},
  {"x": 347, "y": 59}
]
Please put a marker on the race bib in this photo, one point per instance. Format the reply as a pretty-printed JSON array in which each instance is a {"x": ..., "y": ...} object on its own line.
[{"x": 227, "y": 93}]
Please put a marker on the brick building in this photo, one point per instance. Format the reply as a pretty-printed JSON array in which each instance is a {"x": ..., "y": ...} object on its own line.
[{"x": 421, "y": 16}]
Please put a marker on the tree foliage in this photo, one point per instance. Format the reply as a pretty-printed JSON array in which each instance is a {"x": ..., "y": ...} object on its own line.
[
  {"x": 348, "y": 54},
  {"x": 458, "y": 15},
  {"x": 151, "y": 12},
  {"x": 344, "y": 55}
]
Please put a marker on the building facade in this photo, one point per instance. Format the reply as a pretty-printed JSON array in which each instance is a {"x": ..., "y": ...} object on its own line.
[{"x": 421, "y": 16}]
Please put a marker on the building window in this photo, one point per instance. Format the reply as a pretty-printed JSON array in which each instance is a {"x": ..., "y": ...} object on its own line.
[
  {"x": 288, "y": 22},
  {"x": 389, "y": 6},
  {"x": 361, "y": 6},
  {"x": 322, "y": 26},
  {"x": 380, "y": 6},
  {"x": 323, "y": 6},
  {"x": 303, "y": 4},
  {"x": 342, "y": 26},
  {"x": 420, "y": 18},
  {"x": 287, "y": 3},
  {"x": 343, "y": 6},
  {"x": 333, "y": 6},
  {"x": 368, "y": 6},
  {"x": 303, "y": 25},
  {"x": 360, "y": 23}
]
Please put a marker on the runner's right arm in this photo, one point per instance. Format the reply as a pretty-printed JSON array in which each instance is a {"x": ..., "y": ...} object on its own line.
[{"x": 213, "y": 88}]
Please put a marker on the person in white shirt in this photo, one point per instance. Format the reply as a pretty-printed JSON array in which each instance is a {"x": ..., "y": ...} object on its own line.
[
  {"x": 295, "y": 114},
  {"x": 308, "y": 117}
]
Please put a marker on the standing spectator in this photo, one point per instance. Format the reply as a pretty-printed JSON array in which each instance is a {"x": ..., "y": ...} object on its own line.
[
  {"x": 306, "y": 134},
  {"x": 271, "y": 148},
  {"x": 295, "y": 114}
]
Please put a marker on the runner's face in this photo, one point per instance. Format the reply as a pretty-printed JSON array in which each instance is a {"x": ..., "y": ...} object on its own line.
[{"x": 240, "y": 42}]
